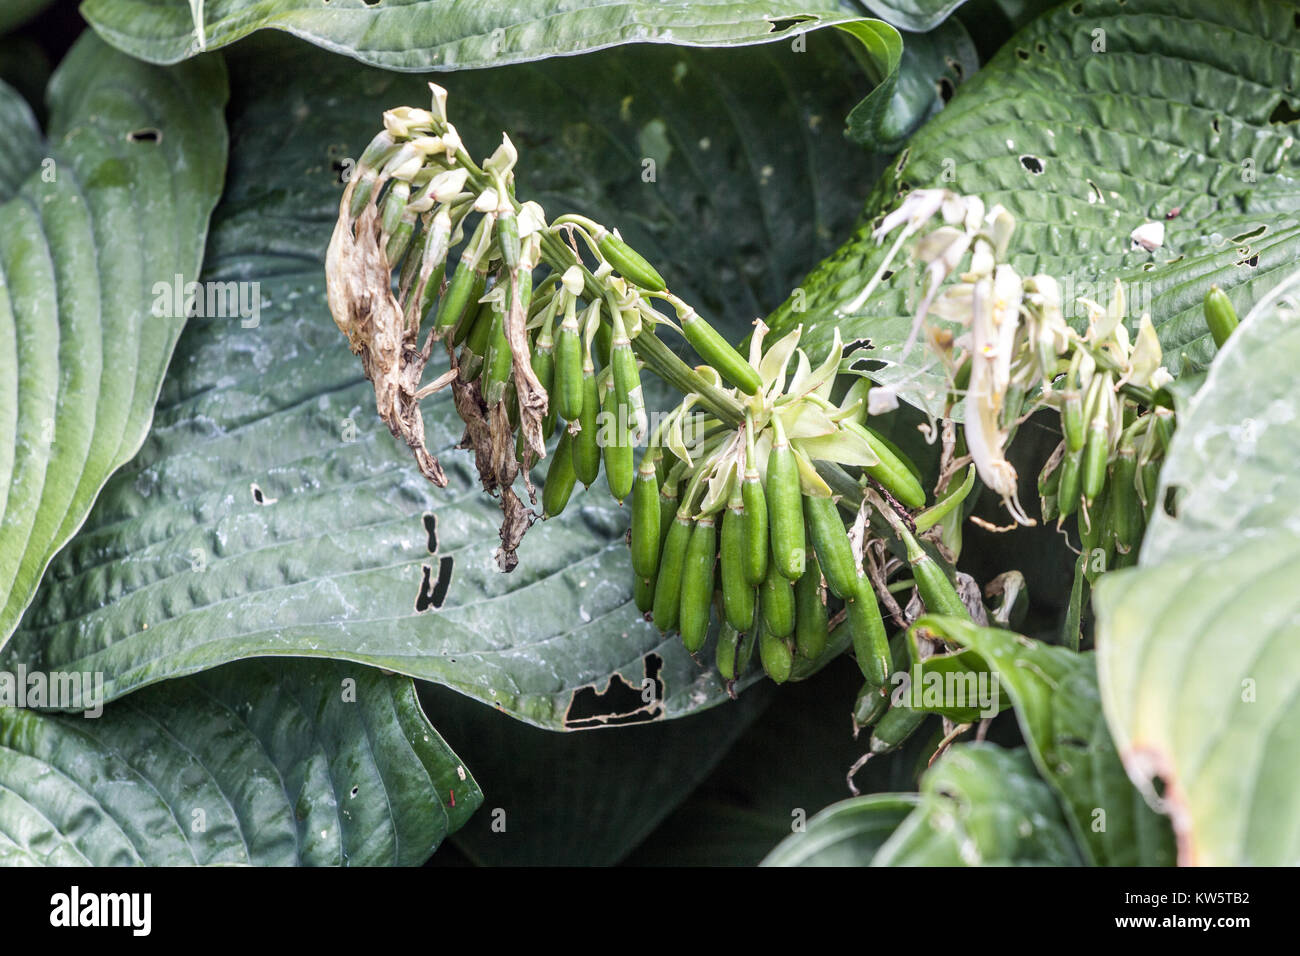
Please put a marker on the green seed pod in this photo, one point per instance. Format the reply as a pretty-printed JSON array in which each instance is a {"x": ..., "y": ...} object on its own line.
[
  {"x": 867, "y": 628},
  {"x": 1095, "y": 452},
  {"x": 619, "y": 450},
  {"x": 667, "y": 509},
  {"x": 1220, "y": 316},
  {"x": 1149, "y": 476},
  {"x": 898, "y": 723},
  {"x": 728, "y": 650},
  {"x": 586, "y": 445},
  {"x": 775, "y": 654},
  {"x": 894, "y": 472},
  {"x": 871, "y": 703},
  {"x": 737, "y": 592},
  {"x": 697, "y": 584},
  {"x": 399, "y": 241},
  {"x": 464, "y": 321},
  {"x": 1072, "y": 422},
  {"x": 627, "y": 381},
  {"x": 543, "y": 362},
  {"x": 1067, "y": 492},
  {"x": 1126, "y": 510},
  {"x": 643, "y": 592},
  {"x": 784, "y": 507},
  {"x": 932, "y": 583},
  {"x": 568, "y": 365},
  {"x": 776, "y": 602},
  {"x": 668, "y": 584},
  {"x": 645, "y": 519},
  {"x": 811, "y": 621},
  {"x": 717, "y": 352},
  {"x": 629, "y": 263},
  {"x": 507, "y": 227},
  {"x": 757, "y": 545},
  {"x": 830, "y": 541},
  {"x": 559, "y": 479},
  {"x": 394, "y": 206},
  {"x": 498, "y": 361}
]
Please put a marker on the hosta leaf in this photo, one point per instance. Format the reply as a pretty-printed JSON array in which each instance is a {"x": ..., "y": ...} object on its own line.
[
  {"x": 1198, "y": 647},
  {"x": 847, "y": 833},
  {"x": 915, "y": 15},
  {"x": 543, "y": 788},
  {"x": 268, "y": 763},
  {"x": 271, "y": 513},
  {"x": 982, "y": 805},
  {"x": 1183, "y": 119},
  {"x": 1055, "y": 694},
  {"x": 114, "y": 203}
]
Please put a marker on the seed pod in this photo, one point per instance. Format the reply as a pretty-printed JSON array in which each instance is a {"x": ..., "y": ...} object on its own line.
[
  {"x": 737, "y": 592},
  {"x": 830, "y": 541},
  {"x": 394, "y": 206},
  {"x": 559, "y": 479},
  {"x": 867, "y": 628},
  {"x": 460, "y": 330},
  {"x": 643, "y": 593},
  {"x": 1067, "y": 492},
  {"x": 645, "y": 519},
  {"x": 543, "y": 362},
  {"x": 1149, "y": 476},
  {"x": 1220, "y": 316},
  {"x": 697, "y": 584},
  {"x": 471, "y": 356},
  {"x": 499, "y": 360},
  {"x": 568, "y": 365},
  {"x": 507, "y": 227},
  {"x": 1072, "y": 424},
  {"x": 727, "y": 651},
  {"x": 629, "y": 263},
  {"x": 894, "y": 472},
  {"x": 586, "y": 447},
  {"x": 932, "y": 583},
  {"x": 784, "y": 507},
  {"x": 898, "y": 723},
  {"x": 668, "y": 584},
  {"x": 1095, "y": 452},
  {"x": 776, "y": 602},
  {"x": 775, "y": 654},
  {"x": 871, "y": 703},
  {"x": 627, "y": 381},
  {"x": 717, "y": 352},
  {"x": 1126, "y": 511},
  {"x": 811, "y": 621},
  {"x": 667, "y": 509},
  {"x": 619, "y": 453},
  {"x": 757, "y": 545}
]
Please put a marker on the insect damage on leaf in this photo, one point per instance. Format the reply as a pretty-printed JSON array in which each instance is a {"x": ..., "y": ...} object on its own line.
[{"x": 621, "y": 702}]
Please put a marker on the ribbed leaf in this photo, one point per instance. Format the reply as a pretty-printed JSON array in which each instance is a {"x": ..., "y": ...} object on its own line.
[
  {"x": 269, "y": 763},
  {"x": 115, "y": 202},
  {"x": 1099, "y": 117},
  {"x": 847, "y": 833},
  {"x": 1199, "y": 647}
]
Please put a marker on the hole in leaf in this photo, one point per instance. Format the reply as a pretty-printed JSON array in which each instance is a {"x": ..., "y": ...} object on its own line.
[
  {"x": 1253, "y": 234},
  {"x": 788, "y": 23},
  {"x": 354, "y": 791},
  {"x": 958, "y": 70},
  {"x": 857, "y": 345},
  {"x": 1284, "y": 112},
  {"x": 902, "y": 160},
  {"x": 1076, "y": 9},
  {"x": 868, "y": 365},
  {"x": 1214, "y": 124},
  {"x": 1033, "y": 164},
  {"x": 946, "y": 89},
  {"x": 620, "y": 702},
  {"x": 432, "y": 593},
  {"x": 1170, "y": 504},
  {"x": 1252, "y": 262},
  {"x": 259, "y": 496},
  {"x": 1040, "y": 46},
  {"x": 147, "y": 135},
  {"x": 431, "y": 528},
  {"x": 1022, "y": 53}
]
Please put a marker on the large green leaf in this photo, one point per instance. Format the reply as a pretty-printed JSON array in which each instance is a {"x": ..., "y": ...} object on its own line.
[
  {"x": 542, "y": 788},
  {"x": 1055, "y": 694},
  {"x": 450, "y": 34},
  {"x": 269, "y": 763},
  {"x": 981, "y": 805},
  {"x": 915, "y": 15},
  {"x": 1199, "y": 647},
  {"x": 116, "y": 201},
  {"x": 1188, "y": 113},
  {"x": 272, "y": 514},
  {"x": 847, "y": 833}
]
